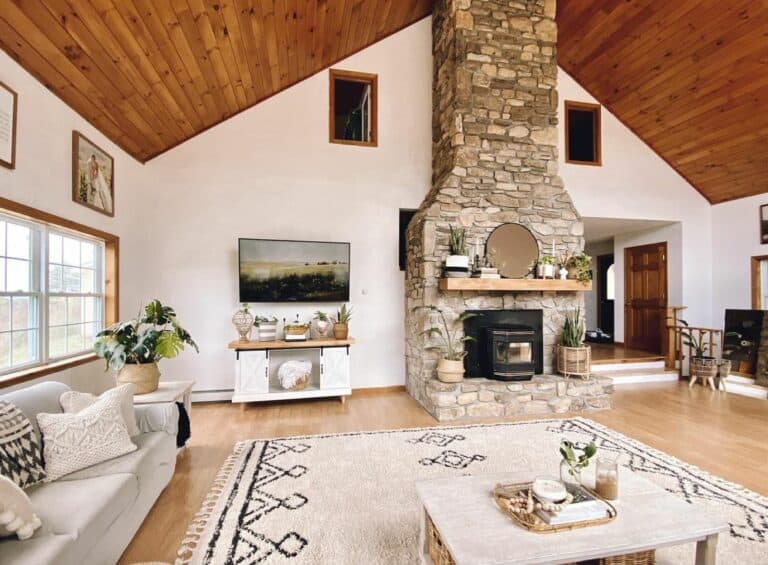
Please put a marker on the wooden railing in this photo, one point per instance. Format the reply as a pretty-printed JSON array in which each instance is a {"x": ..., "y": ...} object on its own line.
[{"x": 675, "y": 349}]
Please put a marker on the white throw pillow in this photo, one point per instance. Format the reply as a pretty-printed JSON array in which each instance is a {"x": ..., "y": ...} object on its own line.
[
  {"x": 73, "y": 402},
  {"x": 75, "y": 441},
  {"x": 16, "y": 513}
]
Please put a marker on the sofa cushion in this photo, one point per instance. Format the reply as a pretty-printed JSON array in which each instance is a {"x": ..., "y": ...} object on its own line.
[
  {"x": 42, "y": 397},
  {"x": 75, "y": 441},
  {"x": 43, "y": 550},
  {"x": 21, "y": 460},
  {"x": 155, "y": 449},
  {"x": 73, "y": 402}
]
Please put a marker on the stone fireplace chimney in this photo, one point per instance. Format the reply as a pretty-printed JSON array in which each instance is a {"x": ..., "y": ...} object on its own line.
[{"x": 495, "y": 141}]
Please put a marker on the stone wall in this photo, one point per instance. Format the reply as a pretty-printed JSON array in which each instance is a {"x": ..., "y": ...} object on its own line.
[{"x": 494, "y": 161}]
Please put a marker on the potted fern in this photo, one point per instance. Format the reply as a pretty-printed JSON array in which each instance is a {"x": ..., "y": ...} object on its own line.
[
  {"x": 341, "y": 322},
  {"x": 457, "y": 245},
  {"x": 573, "y": 357},
  {"x": 450, "y": 367},
  {"x": 134, "y": 347}
]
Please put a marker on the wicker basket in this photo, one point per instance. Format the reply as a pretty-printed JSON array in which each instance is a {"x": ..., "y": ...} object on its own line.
[
  {"x": 301, "y": 384},
  {"x": 704, "y": 367},
  {"x": 574, "y": 361}
]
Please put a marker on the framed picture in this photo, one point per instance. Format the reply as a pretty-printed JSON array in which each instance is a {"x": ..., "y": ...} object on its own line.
[
  {"x": 8, "y": 106},
  {"x": 764, "y": 223},
  {"x": 93, "y": 175}
]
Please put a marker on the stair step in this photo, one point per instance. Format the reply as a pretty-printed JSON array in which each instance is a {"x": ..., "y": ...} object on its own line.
[
  {"x": 605, "y": 368},
  {"x": 746, "y": 389},
  {"x": 741, "y": 380},
  {"x": 636, "y": 376}
]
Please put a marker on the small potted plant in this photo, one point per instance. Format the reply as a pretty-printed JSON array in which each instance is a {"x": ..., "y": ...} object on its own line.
[
  {"x": 579, "y": 267},
  {"x": 133, "y": 348},
  {"x": 545, "y": 268},
  {"x": 450, "y": 367},
  {"x": 323, "y": 323},
  {"x": 341, "y": 322},
  {"x": 267, "y": 328},
  {"x": 576, "y": 457},
  {"x": 573, "y": 357},
  {"x": 457, "y": 245},
  {"x": 702, "y": 366}
]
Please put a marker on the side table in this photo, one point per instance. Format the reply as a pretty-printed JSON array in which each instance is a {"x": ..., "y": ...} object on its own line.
[{"x": 169, "y": 391}]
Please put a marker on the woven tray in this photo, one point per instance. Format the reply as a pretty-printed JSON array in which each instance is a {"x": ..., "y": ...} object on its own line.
[{"x": 532, "y": 522}]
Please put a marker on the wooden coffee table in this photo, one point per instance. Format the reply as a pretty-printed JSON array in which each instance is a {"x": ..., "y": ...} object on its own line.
[{"x": 476, "y": 531}]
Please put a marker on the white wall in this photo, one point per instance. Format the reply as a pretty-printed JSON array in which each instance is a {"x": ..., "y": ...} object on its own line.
[
  {"x": 635, "y": 183},
  {"x": 43, "y": 179},
  {"x": 271, "y": 173},
  {"x": 735, "y": 239}
]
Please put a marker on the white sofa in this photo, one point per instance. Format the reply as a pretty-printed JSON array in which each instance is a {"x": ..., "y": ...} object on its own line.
[{"x": 89, "y": 517}]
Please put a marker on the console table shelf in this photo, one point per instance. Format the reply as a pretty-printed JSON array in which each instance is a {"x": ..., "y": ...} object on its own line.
[
  {"x": 257, "y": 364},
  {"x": 515, "y": 285}
]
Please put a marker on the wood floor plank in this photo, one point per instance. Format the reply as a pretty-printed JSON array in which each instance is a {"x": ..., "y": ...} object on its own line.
[{"x": 721, "y": 433}]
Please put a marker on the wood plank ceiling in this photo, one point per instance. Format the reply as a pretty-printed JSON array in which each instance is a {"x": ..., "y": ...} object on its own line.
[
  {"x": 689, "y": 77},
  {"x": 150, "y": 74}
]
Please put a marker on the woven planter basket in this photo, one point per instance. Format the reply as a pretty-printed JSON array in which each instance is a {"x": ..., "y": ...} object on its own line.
[
  {"x": 574, "y": 361},
  {"x": 703, "y": 367},
  {"x": 144, "y": 378}
]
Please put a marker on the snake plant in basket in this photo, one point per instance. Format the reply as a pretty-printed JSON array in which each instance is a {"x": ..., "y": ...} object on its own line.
[
  {"x": 701, "y": 365},
  {"x": 133, "y": 348},
  {"x": 450, "y": 368},
  {"x": 573, "y": 357}
]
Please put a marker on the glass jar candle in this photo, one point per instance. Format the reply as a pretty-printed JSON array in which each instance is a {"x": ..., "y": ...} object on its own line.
[{"x": 607, "y": 478}]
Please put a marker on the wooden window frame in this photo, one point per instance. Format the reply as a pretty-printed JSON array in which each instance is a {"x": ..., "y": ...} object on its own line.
[
  {"x": 354, "y": 76},
  {"x": 596, "y": 110},
  {"x": 754, "y": 266},
  {"x": 111, "y": 286}
]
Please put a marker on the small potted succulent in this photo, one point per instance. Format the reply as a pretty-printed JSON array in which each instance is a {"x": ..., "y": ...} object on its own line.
[
  {"x": 323, "y": 323},
  {"x": 457, "y": 245},
  {"x": 267, "y": 327},
  {"x": 450, "y": 367},
  {"x": 134, "y": 347},
  {"x": 546, "y": 266},
  {"x": 341, "y": 322},
  {"x": 573, "y": 357}
]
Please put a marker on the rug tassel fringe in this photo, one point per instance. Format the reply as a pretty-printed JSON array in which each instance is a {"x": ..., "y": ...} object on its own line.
[{"x": 198, "y": 524}]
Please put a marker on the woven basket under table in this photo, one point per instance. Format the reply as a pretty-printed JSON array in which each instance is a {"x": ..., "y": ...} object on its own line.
[{"x": 439, "y": 554}]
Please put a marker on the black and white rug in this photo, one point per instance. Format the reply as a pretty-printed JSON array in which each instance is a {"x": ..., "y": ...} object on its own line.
[{"x": 350, "y": 498}]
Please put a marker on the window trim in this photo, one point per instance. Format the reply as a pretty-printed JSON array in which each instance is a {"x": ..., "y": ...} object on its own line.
[
  {"x": 111, "y": 286},
  {"x": 755, "y": 276},
  {"x": 354, "y": 76},
  {"x": 596, "y": 110}
]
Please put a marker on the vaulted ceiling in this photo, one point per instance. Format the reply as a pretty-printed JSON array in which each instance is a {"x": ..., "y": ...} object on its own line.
[{"x": 690, "y": 77}]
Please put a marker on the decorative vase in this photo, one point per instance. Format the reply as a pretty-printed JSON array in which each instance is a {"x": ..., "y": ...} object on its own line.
[
  {"x": 450, "y": 371},
  {"x": 340, "y": 331},
  {"x": 563, "y": 272},
  {"x": 144, "y": 378},
  {"x": 322, "y": 327},
  {"x": 568, "y": 474},
  {"x": 267, "y": 331},
  {"x": 243, "y": 322}
]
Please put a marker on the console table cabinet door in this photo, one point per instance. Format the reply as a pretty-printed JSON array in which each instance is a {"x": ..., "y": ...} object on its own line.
[
  {"x": 334, "y": 368},
  {"x": 253, "y": 372}
]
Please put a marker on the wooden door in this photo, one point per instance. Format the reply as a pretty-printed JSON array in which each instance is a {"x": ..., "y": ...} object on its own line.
[
  {"x": 645, "y": 296},
  {"x": 604, "y": 301}
]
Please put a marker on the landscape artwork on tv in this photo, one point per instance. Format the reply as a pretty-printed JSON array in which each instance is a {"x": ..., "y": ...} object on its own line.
[{"x": 293, "y": 271}]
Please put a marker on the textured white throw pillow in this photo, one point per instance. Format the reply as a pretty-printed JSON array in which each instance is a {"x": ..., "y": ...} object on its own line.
[
  {"x": 72, "y": 402},
  {"x": 16, "y": 513},
  {"x": 75, "y": 441}
]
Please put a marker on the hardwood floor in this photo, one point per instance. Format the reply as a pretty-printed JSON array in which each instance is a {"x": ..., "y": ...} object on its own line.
[
  {"x": 610, "y": 353},
  {"x": 721, "y": 433}
]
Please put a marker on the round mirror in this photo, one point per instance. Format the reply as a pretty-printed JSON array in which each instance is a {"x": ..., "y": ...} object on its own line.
[{"x": 512, "y": 249}]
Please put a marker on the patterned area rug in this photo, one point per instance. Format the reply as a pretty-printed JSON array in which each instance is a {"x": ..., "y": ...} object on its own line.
[{"x": 350, "y": 498}]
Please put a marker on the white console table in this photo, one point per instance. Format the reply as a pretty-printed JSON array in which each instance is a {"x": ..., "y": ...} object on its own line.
[{"x": 257, "y": 363}]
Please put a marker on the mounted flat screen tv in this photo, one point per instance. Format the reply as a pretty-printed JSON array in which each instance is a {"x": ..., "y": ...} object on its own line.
[{"x": 293, "y": 271}]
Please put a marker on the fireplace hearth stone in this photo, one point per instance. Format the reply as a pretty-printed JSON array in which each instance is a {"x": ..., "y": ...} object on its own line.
[{"x": 485, "y": 398}]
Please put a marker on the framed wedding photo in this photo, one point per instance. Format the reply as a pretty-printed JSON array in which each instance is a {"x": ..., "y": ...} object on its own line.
[
  {"x": 9, "y": 101},
  {"x": 93, "y": 175}
]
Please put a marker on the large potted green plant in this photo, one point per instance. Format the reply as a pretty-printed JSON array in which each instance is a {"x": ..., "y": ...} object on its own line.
[
  {"x": 573, "y": 357},
  {"x": 133, "y": 348},
  {"x": 450, "y": 367}
]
